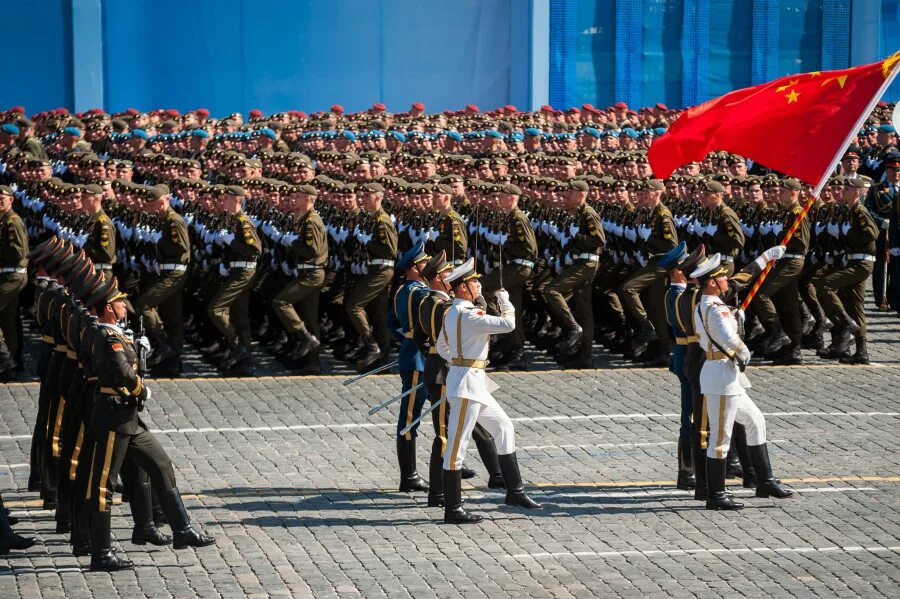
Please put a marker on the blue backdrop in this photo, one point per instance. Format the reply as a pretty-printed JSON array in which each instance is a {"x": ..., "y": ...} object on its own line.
[{"x": 234, "y": 55}]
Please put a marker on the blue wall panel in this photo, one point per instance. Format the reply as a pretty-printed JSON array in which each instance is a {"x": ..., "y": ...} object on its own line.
[
  {"x": 36, "y": 61},
  {"x": 595, "y": 58},
  {"x": 730, "y": 42},
  {"x": 661, "y": 47}
]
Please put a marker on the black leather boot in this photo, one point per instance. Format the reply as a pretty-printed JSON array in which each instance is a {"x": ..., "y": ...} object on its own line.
[
  {"x": 641, "y": 339},
  {"x": 436, "y": 476},
  {"x": 487, "y": 451},
  {"x": 369, "y": 352},
  {"x": 572, "y": 337},
  {"x": 701, "y": 491},
  {"x": 775, "y": 340},
  {"x": 145, "y": 530},
  {"x": 715, "y": 480},
  {"x": 103, "y": 557},
  {"x": 305, "y": 344},
  {"x": 843, "y": 333},
  {"x": 184, "y": 535},
  {"x": 860, "y": 357},
  {"x": 9, "y": 539},
  {"x": 739, "y": 445},
  {"x": 453, "y": 510},
  {"x": 686, "y": 480},
  {"x": 767, "y": 485},
  {"x": 237, "y": 352},
  {"x": 515, "y": 492},
  {"x": 406, "y": 456},
  {"x": 81, "y": 529},
  {"x": 733, "y": 464}
]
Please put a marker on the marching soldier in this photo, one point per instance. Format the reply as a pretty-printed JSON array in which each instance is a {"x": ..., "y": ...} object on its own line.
[
  {"x": 881, "y": 202},
  {"x": 722, "y": 377},
  {"x": 659, "y": 236},
  {"x": 120, "y": 396},
  {"x": 432, "y": 308},
  {"x": 366, "y": 300},
  {"x": 519, "y": 255},
  {"x": 229, "y": 307},
  {"x": 100, "y": 243},
  {"x": 842, "y": 290},
  {"x": 13, "y": 277},
  {"x": 163, "y": 292},
  {"x": 410, "y": 362},
  {"x": 297, "y": 304},
  {"x": 582, "y": 259},
  {"x": 463, "y": 343},
  {"x": 783, "y": 324}
]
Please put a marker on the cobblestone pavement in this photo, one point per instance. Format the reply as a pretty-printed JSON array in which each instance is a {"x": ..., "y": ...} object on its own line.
[{"x": 298, "y": 485}]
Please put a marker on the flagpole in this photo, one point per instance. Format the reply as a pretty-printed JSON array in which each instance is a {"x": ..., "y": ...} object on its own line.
[{"x": 822, "y": 181}]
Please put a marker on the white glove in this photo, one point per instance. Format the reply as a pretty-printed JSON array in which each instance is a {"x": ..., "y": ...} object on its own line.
[
  {"x": 739, "y": 316},
  {"x": 833, "y": 229},
  {"x": 895, "y": 251},
  {"x": 144, "y": 342},
  {"x": 223, "y": 270},
  {"x": 502, "y": 296},
  {"x": 149, "y": 394},
  {"x": 885, "y": 224},
  {"x": 775, "y": 252}
]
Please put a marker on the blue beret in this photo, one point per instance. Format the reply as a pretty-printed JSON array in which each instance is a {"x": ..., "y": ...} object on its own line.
[
  {"x": 630, "y": 132},
  {"x": 72, "y": 131},
  {"x": 516, "y": 136},
  {"x": 398, "y": 136},
  {"x": 613, "y": 133},
  {"x": 202, "y": 133},
  {"x": 376, "y": 133},
  {"x": 414, "y": 254},
  {"x": 591, "y": 131},
  {"x": 673, "y": 257},
  {"x": 532, "y": 132},
  {"x": 494, "y": 133},
  {"x": 645, "y": 132},
  {"x": 138, "y": 133},
  {"x": 347, "y": 134},
  {"x": 267, "y": 132},
  {"x": 660, "y": 130},
  {"x": 10, "y": 128},
  {"x": 886, "y": 129},
  {"x": 565, "y": 135},
  {"x": 454, "y": 135}
]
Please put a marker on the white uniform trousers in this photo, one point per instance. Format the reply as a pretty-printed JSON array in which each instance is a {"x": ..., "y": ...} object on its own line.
[
  {"x": 722, "y": 412},
  {"x": 464, "y": 413}
]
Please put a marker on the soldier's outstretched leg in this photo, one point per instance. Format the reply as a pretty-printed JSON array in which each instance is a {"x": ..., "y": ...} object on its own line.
[{"x": 487, "y": 451}]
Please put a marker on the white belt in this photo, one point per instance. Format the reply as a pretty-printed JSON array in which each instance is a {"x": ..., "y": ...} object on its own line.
[
  {"x": 727, "y": 258},
  {"x": 103, "y": 266},
  {"x": 523, "y": 262},
  {"x": 456, "y": 262},
  {"x": 24, "y": 270},
  {"x": 794, "y": 256},
  {"x": 251, "y": 265},
  {"x": 866, "y": 257},
  {"x": 381, "y": 261},
  {"x": 586, "y": 256},
  {"x": 176, "y": 267},
  {"x": 309, "y": 266}
]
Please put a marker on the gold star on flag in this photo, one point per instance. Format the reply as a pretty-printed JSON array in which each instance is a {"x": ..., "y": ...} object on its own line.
[{"x": 792, "y": 97}]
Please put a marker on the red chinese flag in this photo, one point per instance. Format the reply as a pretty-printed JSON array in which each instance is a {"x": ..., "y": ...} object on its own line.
[{"x": 796, "y": 125}]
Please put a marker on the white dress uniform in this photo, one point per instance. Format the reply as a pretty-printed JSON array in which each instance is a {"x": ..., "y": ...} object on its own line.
[
  {"x": 464, "y": 342},
  {"x": 723, "y": 385}
]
